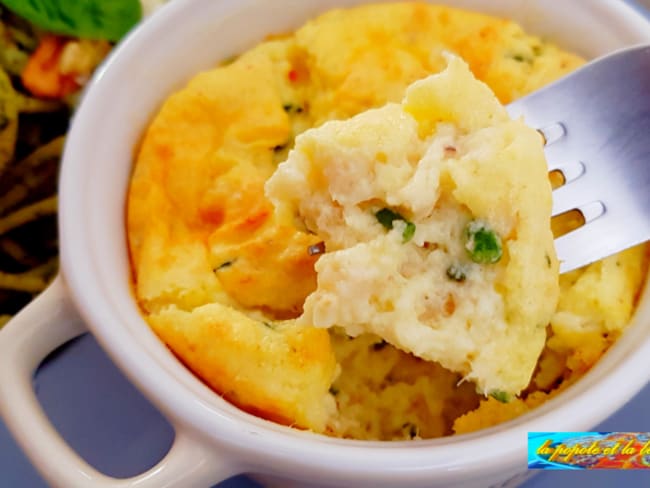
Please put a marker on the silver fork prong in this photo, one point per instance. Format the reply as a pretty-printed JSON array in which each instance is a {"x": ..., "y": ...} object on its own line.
[
  {"x": 580, "y": 247},
  {"x": 552, "y": 133},
  {"x": 553, "y": 166},
  {"x": 556, "y": 154},
  {"x": 592, "y": 242},
  {"x": 566, "y": 197},
  {"x": 592, "y": 211},
  {"x": 570, "y": 171},
  {"x": 599, "y": 115}
]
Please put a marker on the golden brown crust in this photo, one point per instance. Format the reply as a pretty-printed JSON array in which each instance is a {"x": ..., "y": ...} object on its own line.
[
  {"x": 202, "y": 232},
  {"x": 273, "y": 370}
]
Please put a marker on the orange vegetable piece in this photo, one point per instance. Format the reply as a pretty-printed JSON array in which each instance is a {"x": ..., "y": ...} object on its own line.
[{"x": 42, "y": 76}]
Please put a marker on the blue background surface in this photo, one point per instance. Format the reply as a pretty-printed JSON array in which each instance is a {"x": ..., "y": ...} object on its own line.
[{"x": 115, "y": 429}]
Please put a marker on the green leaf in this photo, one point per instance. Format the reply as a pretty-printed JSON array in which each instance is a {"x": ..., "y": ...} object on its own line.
[
  {"x": 482, "y": 244},
  {"x": 91, "y": 19}
]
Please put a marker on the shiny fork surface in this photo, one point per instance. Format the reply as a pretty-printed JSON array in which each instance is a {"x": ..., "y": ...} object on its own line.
[{"x": 597, "y": 127}]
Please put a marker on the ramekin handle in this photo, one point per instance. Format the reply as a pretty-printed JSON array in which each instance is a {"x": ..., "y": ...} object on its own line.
[{"x": 48, "y": 322}]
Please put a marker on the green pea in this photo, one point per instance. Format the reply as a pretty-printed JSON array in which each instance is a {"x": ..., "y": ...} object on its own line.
[{"x": 482, "y": 244}]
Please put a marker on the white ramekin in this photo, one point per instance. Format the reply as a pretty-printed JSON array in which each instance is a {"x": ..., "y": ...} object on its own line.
[{"x": 215, "y": 440}]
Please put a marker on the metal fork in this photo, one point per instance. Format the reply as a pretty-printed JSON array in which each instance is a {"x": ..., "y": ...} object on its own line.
[{"x": 596, "y": 122}]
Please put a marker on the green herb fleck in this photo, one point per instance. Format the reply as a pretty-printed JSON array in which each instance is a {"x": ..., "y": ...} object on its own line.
[
  {"x": 522, "y": 57},
  {"x": 386, "y": 217},
  {"x": 501, "y": 396},
  {"x": 229, "y": 60},
  {"x": 224, "y": 265},
  {"x": 291, "y": 108},
  {"x": 482, "y": 244},
  {"x": 279, "y": 148},
  {"x": 334, "y": 390},
  {"x": 409, "y": 231},
  {"x": 269, "y": 325},
  {"x": 548, "y": 260},
  {"x": 457, "y": 272}
]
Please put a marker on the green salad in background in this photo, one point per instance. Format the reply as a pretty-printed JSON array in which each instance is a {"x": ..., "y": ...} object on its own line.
[{"x": 48, "y": 52}]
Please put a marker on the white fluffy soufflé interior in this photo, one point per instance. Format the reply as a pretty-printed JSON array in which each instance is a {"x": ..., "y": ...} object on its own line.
[{"x": 398, "y": 195}]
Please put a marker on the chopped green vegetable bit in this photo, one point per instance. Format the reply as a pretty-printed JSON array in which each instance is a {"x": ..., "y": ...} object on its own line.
[
  {"x": 225, "y": 264},
  {"x": 269, "y": 325},
  {"x": 229, "y": 60},
  {"x": 291, "y": 108},
  {"x": 386, "y": 217},
  {"x": 482, "y": 244},
  {"x": 409, "y": 231},
  {"x": 520, "y": 58},
  {"x": 457, "y": 272},
  {"x": 501, "y": 396},
  {"x": 334, "y": 390}
]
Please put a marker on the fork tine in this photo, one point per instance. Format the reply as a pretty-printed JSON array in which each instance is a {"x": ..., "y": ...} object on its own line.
[
  {"x": 571, "y": 171},
  {"x": 557, "y": 153},
  {"x": 579, "y": 248},
  {"x": 552, "y": 133},
  {"x": 566, "y": 197},
  {"x": 599, "y": 115},
  {"x": 592, "y": 242}
]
